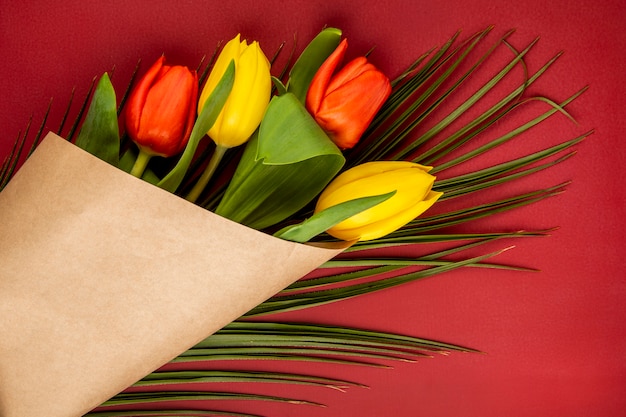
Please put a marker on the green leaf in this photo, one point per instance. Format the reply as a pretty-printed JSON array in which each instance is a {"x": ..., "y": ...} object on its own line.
[
  {"x": 453, "y": 218},
  {"x": 317, "y": 298},
  {"x": 211, "y": 375},
  {"x": 310, "y": 60},
  {"x": 288, "y": 134},
  {"x": 128, "y": 398},
  {"x": 99, "y": 134},
  {"x": 325, "y": 219},
  {"x": 279, "y": 86},
  {"x": 168, "y": 413},
  {"x": 211, "y": 110},
  {"x": 297, "y": 341},
  {"x": 285, "y": 165}
]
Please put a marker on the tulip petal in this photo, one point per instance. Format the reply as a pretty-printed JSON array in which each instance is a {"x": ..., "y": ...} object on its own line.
[
  {"x": 248, "y": 100},
  {"x": 310, "y": 60},
  {"x": 349, "y": 109},
  {"x": 161, "y": 109},
  {"x": 137, "y": 99},
  {"x": 369, "y": 169},
  {"x": 322, "y": 78},
  {"x": 166, "y": 113},
  {"x": 249, "y": 97},
  {"x": 349, "y": 72},
  {"x": 412, "y": 185},
  {"x": 386, "y": 226},
  {"x": 413, "y": 196},
  {"x": 230, "y": 52}
]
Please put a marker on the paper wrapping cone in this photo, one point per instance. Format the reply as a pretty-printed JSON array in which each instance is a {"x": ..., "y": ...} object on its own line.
[{"x": 104, "y": 278}]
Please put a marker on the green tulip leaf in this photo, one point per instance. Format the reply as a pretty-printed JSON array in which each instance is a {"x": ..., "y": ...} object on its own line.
[
  {"x": 285, "y": 165},
  {"x": 279, "y": 86},
  {"x": 285, "y": 127},
  {"x": 127, "y": 160},
  {"x": 99, "y": 134},
  {"x": 207, "y": 117},
  {"x": 327, "y": 218},
  {"x": 310, "y": 60}
]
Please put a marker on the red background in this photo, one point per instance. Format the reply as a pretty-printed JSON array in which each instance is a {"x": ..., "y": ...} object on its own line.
[{"x": 555, "y": 341}]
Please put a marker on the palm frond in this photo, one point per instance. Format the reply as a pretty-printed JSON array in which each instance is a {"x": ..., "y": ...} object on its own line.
[
  {"x": 390, "y": 242},
  {"x": 134, "y": 398},
  {"x": 419, "y": 123},
  {"x": 169, "y": 413},
  {"x": 379, "y": 282},
  {"x": 171, "y": 378}
]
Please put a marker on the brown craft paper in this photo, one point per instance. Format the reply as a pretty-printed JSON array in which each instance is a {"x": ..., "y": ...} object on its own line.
[{"x": 104, "y": 278}]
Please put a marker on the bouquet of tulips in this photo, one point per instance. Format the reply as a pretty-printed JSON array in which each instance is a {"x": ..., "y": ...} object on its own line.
[
  {"x": 294, "y": 140},
  {"x": 293, "y": 151},
  {"x": 240, "y": 184}
]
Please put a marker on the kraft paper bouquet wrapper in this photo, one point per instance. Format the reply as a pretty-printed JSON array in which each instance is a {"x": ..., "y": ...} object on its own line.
[{"x": 104, "y": 278}]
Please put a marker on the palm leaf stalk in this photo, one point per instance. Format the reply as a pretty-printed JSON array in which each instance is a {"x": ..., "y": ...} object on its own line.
[
  {"x": 191, "y": 377},
  {"x": 393, "y": 241},
  {"x": 131, "y": 398},
  {"x": 401, "y": 130},
  {"x": 330, "y": 339},
  {"x": 305, "y": 300},
  {"x": 169, "y": 413},
  {"x": 484, "y": 210},
  {"x": 379, "y": 266},
  {"x": 278, "y": 341}
]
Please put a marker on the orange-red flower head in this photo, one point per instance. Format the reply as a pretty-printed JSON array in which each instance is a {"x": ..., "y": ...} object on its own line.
[
  {"x": 344, "y": 104},
  {"x": 161, "y": 109}
]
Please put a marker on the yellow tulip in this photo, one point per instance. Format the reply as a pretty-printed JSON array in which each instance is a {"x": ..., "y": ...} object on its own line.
[
  {"x": 245, "y": 106},
  {"x": 249, "y": 97},
  {"x": 414, "y": 195}
]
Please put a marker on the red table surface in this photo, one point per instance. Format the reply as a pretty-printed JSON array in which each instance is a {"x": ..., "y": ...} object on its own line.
[{"x": 554, "y": 341}]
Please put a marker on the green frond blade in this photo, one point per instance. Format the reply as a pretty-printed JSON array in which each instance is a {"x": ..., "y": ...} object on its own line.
[
  {"x": 477, "y": 212},
  {"x": 310, "y": 299},
  {"x": 219, "y": 376},
  {"x": 169, "y": 413},
  {"x": 133, "y": 398}
]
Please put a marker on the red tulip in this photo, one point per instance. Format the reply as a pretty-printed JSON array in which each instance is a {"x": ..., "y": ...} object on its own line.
[
  {"x": 161, "y": 109},
  {"x": 345, "y": 104}
]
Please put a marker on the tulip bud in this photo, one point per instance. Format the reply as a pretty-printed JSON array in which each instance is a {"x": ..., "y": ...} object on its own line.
[
  {"x": 414, "y": 195},
  {"x": 161, "y": 110},
  {"x": 345, "y": 104},
  {"x": 249, "y": 97}
]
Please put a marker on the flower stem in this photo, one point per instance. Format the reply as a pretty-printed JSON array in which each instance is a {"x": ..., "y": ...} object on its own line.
[
  {"x": 207, "y": 174},
  {"x": 140, "y": 164}
]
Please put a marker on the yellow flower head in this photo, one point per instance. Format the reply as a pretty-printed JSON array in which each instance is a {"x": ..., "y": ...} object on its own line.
[
  {"x": 249, "y": 97},
  {"x": 414, "y": 195}
]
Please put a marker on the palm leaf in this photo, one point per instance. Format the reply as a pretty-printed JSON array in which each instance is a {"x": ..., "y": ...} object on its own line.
[
  {"x": 276, "y": 341},
  {"x": 171, "y": 378},
  {"x": 405, "y": 275},
  {"x": 169, "y": 413},
  {"x": 132, "y": 398},
  {"x": 409, "y": 126}
]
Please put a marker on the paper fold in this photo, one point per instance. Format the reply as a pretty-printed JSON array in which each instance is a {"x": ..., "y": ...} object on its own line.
[{"x": 104, "y": 278}]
